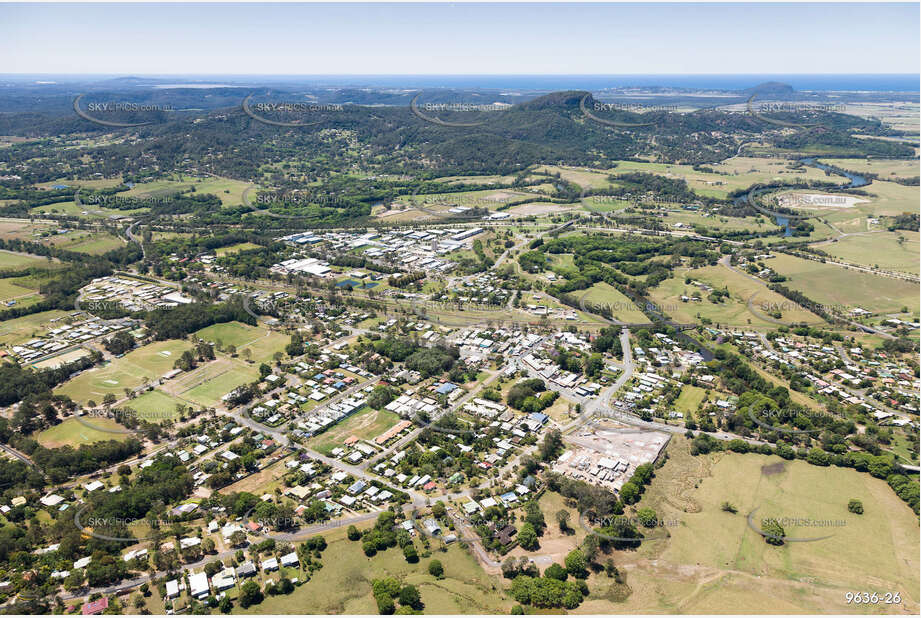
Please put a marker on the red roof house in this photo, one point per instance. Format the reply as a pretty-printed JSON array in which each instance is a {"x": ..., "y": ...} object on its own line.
[{"x": 95, "y": 607}]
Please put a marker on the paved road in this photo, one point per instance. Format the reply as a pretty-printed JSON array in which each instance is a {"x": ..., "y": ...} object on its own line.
[
  {"x": 635, "y": 421},
  {"x": 872, "y": 271},
  {"x": 457, "y": 405},
  {"x": 283, "y": 439},
  {"x": 596, "y": 404},
  {"x": 130, "y": 233},
  {"x": 599, "y": 405},
  {"x": 675, "y": 233},
  {"x": 18, "y": 455},
  {"x": 508, "y": 252},
  {"x": 414, "y": 434},
  {"x": 843, "y": 353}
]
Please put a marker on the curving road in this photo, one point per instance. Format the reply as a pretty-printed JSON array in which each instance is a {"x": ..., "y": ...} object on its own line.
[{"x": 130, "y": 233}]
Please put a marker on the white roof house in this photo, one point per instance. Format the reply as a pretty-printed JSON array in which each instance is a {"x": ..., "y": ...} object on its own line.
[
  {"x": 270, "y": 565},
  {"x": 228, "y": 530},
  {"x": 51, "y": 500},
  {"x": 172, "y": 589},
  {"x": 224, "y": 579},
  {"x": 93, "y": 486},
  {"x": 198, "y": 585}
]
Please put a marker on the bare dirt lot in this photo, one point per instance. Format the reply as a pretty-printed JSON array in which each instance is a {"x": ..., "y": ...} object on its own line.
[{"x": 540, "y": 208}]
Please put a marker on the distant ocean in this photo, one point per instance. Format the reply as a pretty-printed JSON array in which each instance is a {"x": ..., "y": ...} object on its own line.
[
  {"x": 874, "y": 83},
  {"x": 825, "y": 82}
]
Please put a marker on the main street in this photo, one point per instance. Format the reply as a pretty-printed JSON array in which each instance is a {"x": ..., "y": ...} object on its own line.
[
  {"x": 457, "y": 405},
  {"x": 592, "y": 405}
]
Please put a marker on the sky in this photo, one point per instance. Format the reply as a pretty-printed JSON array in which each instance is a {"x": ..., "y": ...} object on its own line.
[{"x": 458, "y": 38}]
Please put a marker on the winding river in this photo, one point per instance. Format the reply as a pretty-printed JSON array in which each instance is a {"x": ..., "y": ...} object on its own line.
[{"x": 856, "y": 181}]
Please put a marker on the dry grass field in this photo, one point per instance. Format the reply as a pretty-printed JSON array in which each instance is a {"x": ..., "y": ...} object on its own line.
[
  {"x": 734, "y": 311},
  {"x": 885, "y": 168},
  {"x": 840, "y": 287},
  {"x": 888, "y": 250},
  {"x": 713, "y": 562}
]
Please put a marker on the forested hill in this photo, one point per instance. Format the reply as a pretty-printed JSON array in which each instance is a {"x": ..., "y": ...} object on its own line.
[{"x": 397, "y": 139}]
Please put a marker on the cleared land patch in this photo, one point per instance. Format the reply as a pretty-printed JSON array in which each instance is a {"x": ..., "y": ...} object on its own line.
[
  {"x": 230, "y": 333},
  {"x": 69, "y": 207},
  {"x": 21, "y": 228},
  {"x": 95, "y": 244},
  {"x": 729, "y": 175},
  {"x": 732, "y": 311},
  {"x": 243, "y": 246},
  {"x": 28, "y": 326},
  {"x": 17, "y": 291},
  {"x": 11, "y": 260},
  {"x": 74, "y": 433},
  {"x": 540, "y": 208},
  {"x": 130, "y": 371},
  {"x": 883, "y": 249},
  {"x": 689, "y": 400},
  {"x": 622, "y": 308},
  {"x": 840, "y": 287},
  {"x": 343, "y": 585},
  {"x": 262, "y": 343},
  {"x": 154, "y": 406},
  {"x": 365, "y": 424},
  {"x": 206, "y": 385},
  {"x": 884, "y": 168},
  {"x": 711, "y": 557},
  {"x": 228, "y": 190},
  {"x": 890, "y": 198},
  {"x": 62, "y": 359}
]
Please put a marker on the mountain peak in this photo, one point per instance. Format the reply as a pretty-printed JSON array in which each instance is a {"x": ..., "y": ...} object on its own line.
[{"x": 770, "y": 88}]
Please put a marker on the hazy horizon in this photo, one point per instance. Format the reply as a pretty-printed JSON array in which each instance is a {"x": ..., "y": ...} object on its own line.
[{"x": 460, "y": 39}]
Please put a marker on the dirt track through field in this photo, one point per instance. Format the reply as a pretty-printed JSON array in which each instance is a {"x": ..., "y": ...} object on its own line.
[{"x": 696, "y": 468}]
